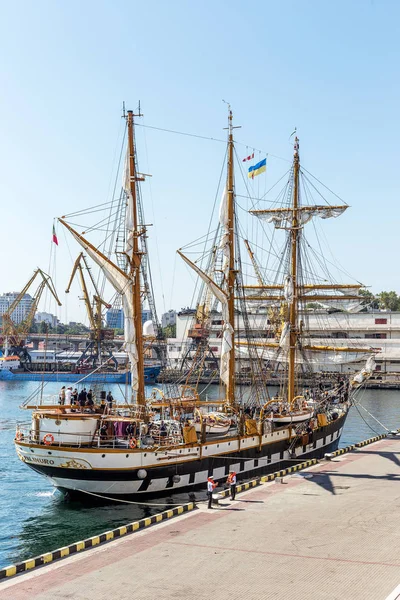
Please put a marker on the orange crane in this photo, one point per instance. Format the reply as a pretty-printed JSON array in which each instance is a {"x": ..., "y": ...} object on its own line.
[{"x": 14, "y": 334}]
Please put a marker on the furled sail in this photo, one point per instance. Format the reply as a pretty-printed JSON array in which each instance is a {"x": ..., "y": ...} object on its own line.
[
  {"x": 129, "y": 208},
  {"x": 365, "y": 373},
  {"x": 122, "y": 283},
  {"x": 283, "y": 217}
]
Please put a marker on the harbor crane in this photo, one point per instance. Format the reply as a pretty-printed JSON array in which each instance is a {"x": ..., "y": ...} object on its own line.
[
  {"x": 14, "y": 334},
  {"x": 94, "y": 350}
]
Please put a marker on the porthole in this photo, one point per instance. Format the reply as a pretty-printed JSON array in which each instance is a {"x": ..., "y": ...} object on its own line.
[
  {"x": 103, "y": 456},
  {"x": 49, "y": 452},
  {"x": 127, "y": 456}
]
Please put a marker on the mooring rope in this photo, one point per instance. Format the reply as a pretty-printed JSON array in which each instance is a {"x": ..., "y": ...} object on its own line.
[{"x": 126, "y": 501}]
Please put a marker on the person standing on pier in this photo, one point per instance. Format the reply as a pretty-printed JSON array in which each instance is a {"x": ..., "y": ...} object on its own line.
[
  {"x": 211, "y": 485},
  {"x": 231, "y": 481}
]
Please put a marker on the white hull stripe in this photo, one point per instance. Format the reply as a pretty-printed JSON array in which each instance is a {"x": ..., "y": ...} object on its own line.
[{"x": 160, "y": 484}]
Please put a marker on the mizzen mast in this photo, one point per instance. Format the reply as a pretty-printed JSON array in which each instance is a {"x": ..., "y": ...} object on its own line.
[
  {"x": 293, "y": 275},
  {"x": 135, "y": 259}
]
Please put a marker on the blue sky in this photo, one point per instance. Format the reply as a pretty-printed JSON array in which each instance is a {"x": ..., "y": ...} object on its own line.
[{"x": 330, "y": 69}]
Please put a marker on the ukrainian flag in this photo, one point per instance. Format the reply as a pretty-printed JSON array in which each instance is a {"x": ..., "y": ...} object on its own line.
[{"x": 257, "y": 169}]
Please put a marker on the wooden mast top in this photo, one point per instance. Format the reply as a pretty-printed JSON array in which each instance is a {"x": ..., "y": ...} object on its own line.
[
  {"x": 230, "y": 388},
  {"x": 135, "y": 262},
  {"x": 293, "y": 274}
]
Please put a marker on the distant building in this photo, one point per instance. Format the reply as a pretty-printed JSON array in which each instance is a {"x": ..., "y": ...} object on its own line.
[
  {"x": 115, "y": 318},
  {"x": 146, "y": 315},
  {"x": 45, "y": 317},
  {"x": 23, "y": 308},
  {"x": 168, "y": 318}
]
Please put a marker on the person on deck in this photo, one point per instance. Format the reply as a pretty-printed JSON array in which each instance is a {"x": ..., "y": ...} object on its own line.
[
  {"x": 82, "y": 398},
  {"x": 62, "y": 395},
  {"x": 109, "y": 399},
  {"x": 74, "y": 397},
  {"x": 163, "y": 429},
  {"x": 211, "y": 485},
  {"x": 231, "y": 481},
  {"x": 68, "y": 395}
]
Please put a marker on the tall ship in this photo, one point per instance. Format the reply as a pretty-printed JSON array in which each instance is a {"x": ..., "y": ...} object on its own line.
[{"x": 173, "y": 438}]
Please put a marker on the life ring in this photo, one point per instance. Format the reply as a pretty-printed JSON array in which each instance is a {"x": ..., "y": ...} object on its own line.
[
  {"x": 48, "y": 439},
  {"x": 132, "y": 443},
  {"x": 19, "y": 436}
]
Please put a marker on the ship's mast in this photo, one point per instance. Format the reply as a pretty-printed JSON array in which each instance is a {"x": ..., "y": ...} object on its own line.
[
  {"x": 135, "y": 262},
  {"x": 293, "y": 274},
  {"x": 230, "y": 388}
]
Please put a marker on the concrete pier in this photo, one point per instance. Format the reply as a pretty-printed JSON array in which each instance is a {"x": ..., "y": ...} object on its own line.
[{"x": 330, "y": 532}]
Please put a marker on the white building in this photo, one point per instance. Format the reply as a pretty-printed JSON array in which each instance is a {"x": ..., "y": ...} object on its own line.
[
  {"x": 379, "y": 331},
  {"x": 168, "y": 318},
  {"x": 45, "y": 317},
  {"x": 23, "y": 308}
]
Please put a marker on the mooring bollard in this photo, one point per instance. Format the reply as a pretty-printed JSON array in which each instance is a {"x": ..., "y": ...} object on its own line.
[{"x": 216, "y": 497}]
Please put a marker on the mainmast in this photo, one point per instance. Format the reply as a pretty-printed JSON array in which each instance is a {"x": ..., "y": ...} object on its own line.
[
  {"x": 135, "y": 262},
  {"x": 293, "y": 274},
  {"x": 231, "y": 276}
]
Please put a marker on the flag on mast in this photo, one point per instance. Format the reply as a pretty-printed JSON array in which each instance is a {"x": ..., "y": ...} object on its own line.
[
  {"x": 250, "y": 157},
  {"x": 257, "y": 169},
  {"x": 55, "y": 240}
]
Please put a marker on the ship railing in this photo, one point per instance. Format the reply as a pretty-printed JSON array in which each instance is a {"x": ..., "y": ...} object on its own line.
[{"x": 48, "y": 438}]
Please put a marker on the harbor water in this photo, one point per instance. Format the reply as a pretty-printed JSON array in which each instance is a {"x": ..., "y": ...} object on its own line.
[{"x": 35, "y": 518}]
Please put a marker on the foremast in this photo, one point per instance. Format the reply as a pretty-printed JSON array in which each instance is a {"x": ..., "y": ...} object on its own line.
[
  {"x": 127, "y": 281},
  {"x": 135, "y": 260},
  {"x": 293, "y": 334}
]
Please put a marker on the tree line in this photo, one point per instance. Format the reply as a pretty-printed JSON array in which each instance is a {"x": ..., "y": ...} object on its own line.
[{"x": 383, "y": 300}]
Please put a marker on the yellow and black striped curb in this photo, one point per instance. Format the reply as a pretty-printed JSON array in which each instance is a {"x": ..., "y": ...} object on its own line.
[
  {"x": 371, "y": 440},
  {"x": 357, "y": 445},
  {"x": 283, "y": 472},
  {"x": 43, "y": 559},
  {"x": 342, "y": 450}
]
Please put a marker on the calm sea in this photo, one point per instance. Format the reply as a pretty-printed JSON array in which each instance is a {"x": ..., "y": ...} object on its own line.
[{"x": 34, "y": 518}]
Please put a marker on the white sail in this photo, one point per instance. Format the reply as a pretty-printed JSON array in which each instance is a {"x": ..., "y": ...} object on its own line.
[
  {"x": 288, "y": 289},
  {"x": 365, "y": 373},
  {"x": 283, "y": 218},
  {"x": 122, "y": 283},
  {"x": 129, "y": 208}
]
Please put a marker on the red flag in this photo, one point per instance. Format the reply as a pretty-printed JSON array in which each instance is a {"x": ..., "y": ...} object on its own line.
[
  {"x": 55, "y": 240},
  {"x": 250, "y": 157}
]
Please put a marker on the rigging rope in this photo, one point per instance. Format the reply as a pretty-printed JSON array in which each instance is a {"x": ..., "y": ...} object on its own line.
[{"x": 204, "y": 137}]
